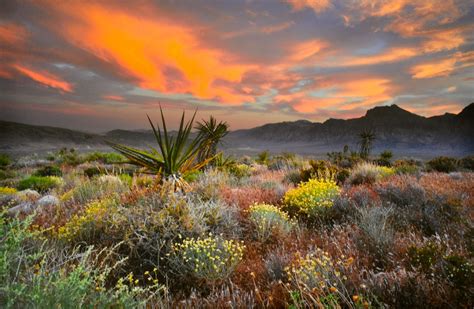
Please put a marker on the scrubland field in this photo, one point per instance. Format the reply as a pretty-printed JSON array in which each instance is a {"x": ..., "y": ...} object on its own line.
[{"x": 279, "y": 231}]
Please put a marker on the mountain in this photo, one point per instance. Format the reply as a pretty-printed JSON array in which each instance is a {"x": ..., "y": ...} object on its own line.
[{"x": 396, "y": 129}]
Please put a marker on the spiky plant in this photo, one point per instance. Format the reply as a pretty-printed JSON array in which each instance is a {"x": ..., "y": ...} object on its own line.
[
  {"x": 366, "y": 139},
  {"x": 176, "y": 155},
  {"x": 211, "y": 133}
]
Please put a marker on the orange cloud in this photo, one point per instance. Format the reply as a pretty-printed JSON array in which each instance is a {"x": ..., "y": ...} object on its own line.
[
  {"x": 160, "y": 54},
  {"x": 306, "y": 50},
  {"x": 444, "y": 40},
  {"x": 428, "y": 111},
  {"x": 45, "y": 78},
  {"x": 316, "y": 5},
  {"x": 391, "y": 55},
  {"x": 12, "y": 34},
  {"x": 443, "y": 67}
]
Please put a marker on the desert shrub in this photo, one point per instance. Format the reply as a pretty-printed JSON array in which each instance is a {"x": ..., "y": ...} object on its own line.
[
  {"x": 240, "y": 170},
  {"x": 276, "y": 263},
  {"x": 317, "y": 280},
  {"x": 105, "y": 157},
  {"x": 89, "y": 224},
  {"x": 210, "y": 184},
  {"x": 312, "y": 198},
  {"x": 4, "y": 160},
  {"x": 459, "y": 270},
  {"x": 263, "y": 157},
  {"x": 96, "y": 188},
  {"x": 6, "y": 174},
  {"x": 425, "y": 257},
  {"x": 385, "y": 158},
  {"x": 368, "y": 173},
  {"x": 210, "y": 259},
  {"x": 467, "y": 163},
  {"x": 269, "y": 220},
  {"x": 319, "y": 169},
  {"x": 285, "y": 161},
  {"x": 292, "y": 177},
  {"x": 40, "y": 184},
  {"x": 377, "y": 232},
  {"x": 94, "y": 171},
  {"x": 49, "y": 170},
  {"x": 7, "y": 191},
  {"x": 69, "y": 157},
  {"x": 442, "y": 164},
  {"x": 33, "y": 273},
  {"x": 243, "y": 197}
]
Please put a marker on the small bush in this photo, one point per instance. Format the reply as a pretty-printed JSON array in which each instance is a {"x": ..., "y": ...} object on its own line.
[
  {"x": 269, "y": 220},
  {"x": 96, "y": 188},
  {"x": 378, "y": 234},
  {"x": 94, "y": 171},
  {"x": 40, "y": 184},
  {"x": 459, "y": 271},
  {"x": 210, "y": 258},
  {"x": 368, "y": 173},
  {"x": 105, "y": 157},
  {"x": 467, "y": 163},
  {"x": 312, "y": 197},
  {"x": 424, "y": 258},
  {"x": 49, "y": 170},
  {"x": 442, "y": 164},
  {"x": 319, "y": 169},
  {"x": 6, "y": 174},
  {"x": 317, "y": 278},
  {"x": 7, "y": 191},
  {"x": 240, "y": 170},
  {"x": 4, "y": 160}
]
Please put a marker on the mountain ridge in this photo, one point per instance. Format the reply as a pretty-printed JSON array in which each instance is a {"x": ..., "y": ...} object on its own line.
[{"x": 396, "y": 129}]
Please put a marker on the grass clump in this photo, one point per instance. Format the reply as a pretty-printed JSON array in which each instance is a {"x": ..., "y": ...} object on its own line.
[
  {"x": 49, "y": 170},
  {"x": 442, "y": 164},
  {"x": 39, "y": 183},
  {"x": 368, "y": 173},
  {"x": 211, "y": 258},
  {"x": 312, "y": 197},
  {"x": 269, "y": 220}
]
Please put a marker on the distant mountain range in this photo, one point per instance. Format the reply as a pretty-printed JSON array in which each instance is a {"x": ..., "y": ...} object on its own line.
[{"x": 396, "y": 129}]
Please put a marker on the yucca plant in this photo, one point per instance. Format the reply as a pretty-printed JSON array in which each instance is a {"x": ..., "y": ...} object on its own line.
[
  {"x": 211, "y": 133},
  {"x": 366, "y": 138},
  {"x": 176, "y": 155}
]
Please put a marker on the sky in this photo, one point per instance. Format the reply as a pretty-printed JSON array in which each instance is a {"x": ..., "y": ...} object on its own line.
[{"x": 101, "y": 65}]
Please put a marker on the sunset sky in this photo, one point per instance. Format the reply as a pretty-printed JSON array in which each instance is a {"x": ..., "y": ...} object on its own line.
[{"x": 101, "y": 66}]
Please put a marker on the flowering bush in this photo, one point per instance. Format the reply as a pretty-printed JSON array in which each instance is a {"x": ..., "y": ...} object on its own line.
[
  {"x": 368, "y": 173},
  {"x": 269, "y": 219},
  {"x": 313, "y": 196},
  {"x": 7, "y": 191},
  {"x": 317, "y": 274},
  {"x": 87, "y": 224},
  {"x": 211, "y": 258}
]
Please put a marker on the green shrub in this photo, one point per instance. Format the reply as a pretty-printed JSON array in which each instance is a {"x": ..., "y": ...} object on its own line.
[
  {"x": 105, "y": 157},
  {"x": 467, "y": 163},
  {"x": 425, "y": 257},
  {"x": 459, "y": 271},
  {"x": 211, "y": 258},
  {"x": 6, "y": 174},
  {"x": 368, "y": 173},
  {"x": 319, "y": 169},
  {"x": 269, "y": 220},
  {"x": 49, "y": 170},
  {"x": 4, "y": 160},
  {"x": 385, "y": 158},
  {"x": 312, "y": 197},
  {"x": 263, "y": 157},
  {"x": 94, "y": 171},
  {"x": 36, "y": 274},
  {"x": 40, "y": 184},
  {"x": 240, "y": 170},
  {"x": 442, "y": 164}
]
